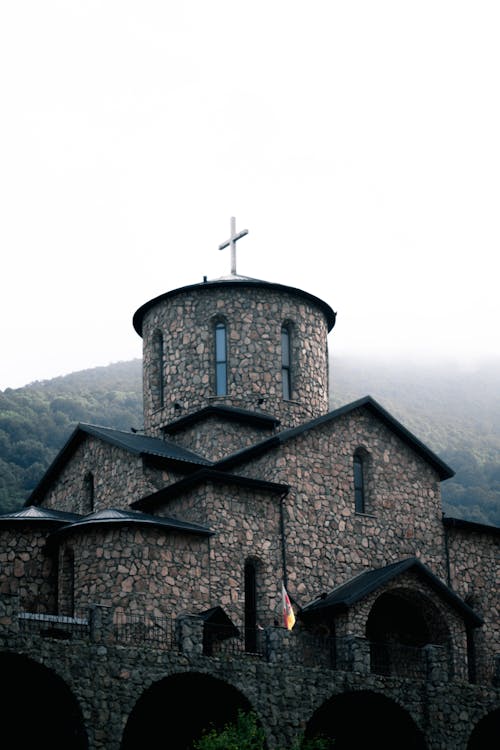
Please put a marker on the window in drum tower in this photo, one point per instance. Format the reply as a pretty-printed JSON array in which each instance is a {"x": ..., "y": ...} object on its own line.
[
  {"x": 220, "y": 359},
  {"x": 286, "y": 378}
]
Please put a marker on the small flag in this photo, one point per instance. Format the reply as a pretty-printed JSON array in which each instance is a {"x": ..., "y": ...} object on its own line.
[{"x": 288, "y": 613}]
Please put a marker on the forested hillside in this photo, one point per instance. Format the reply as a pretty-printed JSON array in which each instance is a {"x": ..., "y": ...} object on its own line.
[{"x": 457, "y": 414}]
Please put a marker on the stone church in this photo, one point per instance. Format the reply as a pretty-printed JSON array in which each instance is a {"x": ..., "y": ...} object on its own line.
[{"x": 143, "y": 586}]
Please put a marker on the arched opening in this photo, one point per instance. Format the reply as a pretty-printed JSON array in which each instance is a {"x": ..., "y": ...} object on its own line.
[
  {"x": 359, "y": 467},
  {"x": 38, "y": 709},
  {"x": 486, "y": 733},
  {"x": 365, "y": 719},
  {"x": 158, "y": 370},
  {"x": 176, "y": 711},
  {"x": 220, "y": 340},
  {"x": 88, "y": 493},
  {"x": 401, "y": 622},
  {"x": 286, "y": 361},
  {"x": 250, "y": 606}
]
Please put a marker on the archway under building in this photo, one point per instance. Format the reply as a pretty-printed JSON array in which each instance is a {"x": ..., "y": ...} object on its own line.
[
  {"x": 175, "y": 711},
  {"x": 37, "y": 708},
  {"x": 360, "y": 719},
  {"x": 486, "y": 733}
]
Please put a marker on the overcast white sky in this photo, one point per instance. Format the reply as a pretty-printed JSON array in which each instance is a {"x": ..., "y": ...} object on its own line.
[{"x": 358, "y": 142}]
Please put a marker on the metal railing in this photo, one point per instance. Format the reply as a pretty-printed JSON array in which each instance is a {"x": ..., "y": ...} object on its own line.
[
  {"x": 137, "y": 629},
  {"x": 63, "y": 627}
]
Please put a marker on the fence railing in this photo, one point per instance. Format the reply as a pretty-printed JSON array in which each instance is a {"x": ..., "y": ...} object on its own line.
[
  {"x": 63, "y": 627},
  {"x": 270, "y": 644},
  {"x": 142, "y": 629}
]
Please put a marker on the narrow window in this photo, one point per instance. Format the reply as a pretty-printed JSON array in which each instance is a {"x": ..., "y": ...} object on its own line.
[
  {"x": 285, "y": 363},
  {"x": 66, "y": 604},
  {"x": 158, "y": 370},
  {"x": 359, "y": 484},
  {"x": 89, "y": 493},
  {"x": 220, "y": 360},
  {"x": 250, "y": 607}
]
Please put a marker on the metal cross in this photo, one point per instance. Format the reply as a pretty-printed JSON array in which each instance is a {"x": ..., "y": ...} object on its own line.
[{"x": 231, "y": 242}]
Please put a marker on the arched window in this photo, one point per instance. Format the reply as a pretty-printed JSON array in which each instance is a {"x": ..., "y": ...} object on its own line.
[
  {"x": 250, "y": 606},
  {"x": 88, "y": 493},
  {"x": 286, "y": 365},
  {"x": 359, "y": 482},
  {"x": 220, "y": 359},
  {"x": 158, "y": 370}
]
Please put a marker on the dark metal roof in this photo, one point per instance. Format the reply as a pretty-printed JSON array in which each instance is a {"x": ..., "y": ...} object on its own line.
[
  {"x": 135, "y": 443},
  {"x": 462, "y": 523},
  {"x": 231, "y": 413},
  {"x": 37, "y": 514},
  {"x": 203, "y": 476},
  {"x": 367, "y": 402},
  {"x": 219, "y": 623},
  {"x": 129, "y": 517},
  {"x": 228, "y": 281},
  {"x": 344, "y": 596}
]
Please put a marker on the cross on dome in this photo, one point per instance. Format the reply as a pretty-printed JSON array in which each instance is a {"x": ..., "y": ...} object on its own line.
[{"x": 231, "y": 242}]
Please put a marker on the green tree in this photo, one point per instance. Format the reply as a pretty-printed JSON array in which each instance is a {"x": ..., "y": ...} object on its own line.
[{"x": 245, "y": 734}]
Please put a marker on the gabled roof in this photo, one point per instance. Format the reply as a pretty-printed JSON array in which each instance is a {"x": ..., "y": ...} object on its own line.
[
  {"x": 344, "y": 596},
  {"x": 135, "y": 443},
  {"x": 367, "y": 402},
  {"x": 219, "y": 623},
  {"x": 201, "y": 477},
  {"x": 230, "y": 413},
  {"x": 462, "y": 523},
  {"x": 115, "y": 516},
  {"x": 36, "y": 514}
]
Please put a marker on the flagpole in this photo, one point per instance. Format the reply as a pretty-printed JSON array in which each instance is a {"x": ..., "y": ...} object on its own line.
[{"x": 283, "y": 538}]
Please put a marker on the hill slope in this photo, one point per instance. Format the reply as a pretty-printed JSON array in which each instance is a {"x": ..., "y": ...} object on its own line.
[{"x": 457, "y": 414}]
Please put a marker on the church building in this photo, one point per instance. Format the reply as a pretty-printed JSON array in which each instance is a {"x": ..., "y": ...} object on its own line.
[{"x": 247, "y": 550}]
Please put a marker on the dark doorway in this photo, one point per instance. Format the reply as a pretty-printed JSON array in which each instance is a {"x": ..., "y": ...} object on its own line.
[
  {"x": 356, "y": 720},
  {"x": 37, "y": 707},
  {"x": 175, "y": 712},
  {"x": 486, "y": 734}
]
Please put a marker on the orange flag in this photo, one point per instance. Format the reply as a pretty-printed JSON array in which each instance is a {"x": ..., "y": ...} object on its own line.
[{"x": 288, "y": 613}]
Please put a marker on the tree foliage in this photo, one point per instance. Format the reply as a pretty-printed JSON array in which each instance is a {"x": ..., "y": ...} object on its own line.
[{"x": 246, "y": 734}]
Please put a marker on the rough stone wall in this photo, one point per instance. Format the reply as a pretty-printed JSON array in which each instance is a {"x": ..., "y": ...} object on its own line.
[
  {"x": 327, "y": 541},
  {"x": 215, "y": 437},
  {"x": 253, "y": 318},
  {"x": 25, "y": 570},
  {"x": 475, "y": 576},
  {"x": 108, "y": 680},
  {"x": 247, "y": 526},
  {"x": 143, "y": 570},
  {"x": 119, "y": 479}
]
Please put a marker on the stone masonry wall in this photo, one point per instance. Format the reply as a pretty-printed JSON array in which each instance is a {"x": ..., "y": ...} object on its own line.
[
  {"x": 119, "y": 479},
  {"x": 475, "y": 576},
  {"x": 253, "y": 318},
  {"x": 140, "y": 569},
  {"x": 25, "y": 570},
  {"x": 246, "y": 525},
  {"x": 327, "y": 542}
]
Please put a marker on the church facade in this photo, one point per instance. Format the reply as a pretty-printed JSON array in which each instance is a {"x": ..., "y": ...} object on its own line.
[{"x": 143, "y": 584}]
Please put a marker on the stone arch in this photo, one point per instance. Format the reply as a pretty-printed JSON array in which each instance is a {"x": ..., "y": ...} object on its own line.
[
  {"x": 364, "y": 718},
  {"x": 486, "y": 733},
  {"x": 400, "y": 623},
  {"x": 38, "y": 707},
  {"x": 175, "y": 711}
]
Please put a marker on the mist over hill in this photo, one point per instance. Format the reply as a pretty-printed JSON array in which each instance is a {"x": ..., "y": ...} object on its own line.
[{"x": 455, "y": 413}]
